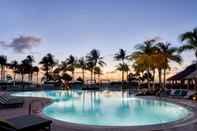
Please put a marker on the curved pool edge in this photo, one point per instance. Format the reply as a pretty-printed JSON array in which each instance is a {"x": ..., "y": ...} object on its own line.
[
  {"x": 175, "y": 124},
  {"x": 190, "y": 119}
]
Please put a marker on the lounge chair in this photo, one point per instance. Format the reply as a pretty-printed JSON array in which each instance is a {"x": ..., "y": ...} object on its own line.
[
  {"x": 25, "y": 123},
  {"x": 9, "y": 102},
  {"x": 164, "y": 93},
  {"x": 175, "y": 93},
  {"x": 190, "y": 94},
  {"x": 179, "y": 93}
]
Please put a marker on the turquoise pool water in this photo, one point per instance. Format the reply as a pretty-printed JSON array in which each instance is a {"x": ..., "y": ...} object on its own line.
[{"x": 107, "y": 108}]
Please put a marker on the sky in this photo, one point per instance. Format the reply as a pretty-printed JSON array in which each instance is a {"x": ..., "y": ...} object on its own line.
[{"x": 64, "y": 27}]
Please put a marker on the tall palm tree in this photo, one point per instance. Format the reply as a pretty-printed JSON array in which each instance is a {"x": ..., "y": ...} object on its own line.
[
  {"x": 48, "y": 63},
  {"x": 123, "y": 67},
  {"x": 121, "y": 56},
  {"x": 13, "y": 66},
  {"x": 190, "y": 41},
  {"x": 98, "y": 72},
  {"x": 145, "y": 56},
  {"x": 94, "y": 59},
  {"x": 36, "y": 70},
  {"x": 72, "y": 63},
  {"x": 29, "y": 62},
  {"x": 83, "y": 65},
  {"x": 63, "y": 67},
  {"x": 3, "y": 63},
  {"x": 167, "y": 54}
]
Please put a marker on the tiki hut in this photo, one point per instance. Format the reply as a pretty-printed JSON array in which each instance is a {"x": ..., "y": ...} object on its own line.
[{"x": 184, "y": 79}]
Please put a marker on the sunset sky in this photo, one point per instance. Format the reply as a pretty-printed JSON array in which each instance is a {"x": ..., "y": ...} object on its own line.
[{"x": 64, "y": 27}]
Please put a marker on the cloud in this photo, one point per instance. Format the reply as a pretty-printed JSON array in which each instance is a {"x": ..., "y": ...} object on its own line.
[{"x": 22, "y": 43}]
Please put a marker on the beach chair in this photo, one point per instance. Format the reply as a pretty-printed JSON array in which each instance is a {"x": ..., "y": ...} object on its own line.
[
  {"x": 25, "y": 123},
  {"x": 10, "y": 102}
]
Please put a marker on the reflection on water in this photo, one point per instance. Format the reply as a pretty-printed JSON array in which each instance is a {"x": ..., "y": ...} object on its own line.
[
  {"x": 107, "y": 108},
  {"x": 110, "y": 108}
]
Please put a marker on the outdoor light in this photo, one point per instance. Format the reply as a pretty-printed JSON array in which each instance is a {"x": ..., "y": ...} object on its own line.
[{"x": 194, "y": 98}]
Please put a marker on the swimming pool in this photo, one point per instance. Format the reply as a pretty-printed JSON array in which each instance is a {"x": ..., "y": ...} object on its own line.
[{"x": 107, "y": 108}]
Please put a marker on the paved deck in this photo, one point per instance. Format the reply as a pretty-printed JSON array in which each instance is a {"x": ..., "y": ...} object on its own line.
[{"x": 62, "y": 126}]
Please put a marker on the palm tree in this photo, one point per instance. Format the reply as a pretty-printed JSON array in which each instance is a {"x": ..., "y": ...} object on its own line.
[
  {"x": 123, "y": 67},
  {"x": 71, "y": 62},
  {"x": 98, "y": 72},
  {"x": 94, "y": 59},
  {"x": 83, "y": 65},
  {"x": 190, "y": 41},
  {"x": 3, "y": 63},
  {"x": 145, "y": 56},
  {"x": 48, "y": 62},
  {"x": 29, "y": 62},
  {"x": 63, "y": 67},
  {"x": 121, "y": 56},
  {"x": 167, "y": 54},
  {"x": 13, "y": 66},
  {"x": 36, "y": 70}
]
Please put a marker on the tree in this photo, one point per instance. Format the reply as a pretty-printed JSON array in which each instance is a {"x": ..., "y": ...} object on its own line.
[
  {"x": 36, "y": 70},
  {"x": 83, "y": 65},
  {"x": 123, "y": 67},
  {"x": 71, "y": 61},
  {"x": 13, "y": 66},
  {"x": 66, "y": 77},
  {"x": 48, "y": 63},
  {"x": 94, "y": 59},
  {"x": 190, "y": 41},
  {"x": 167, "y": 54},
  {"x": 29, "y": 69},
  {"x": 145, "y": 55},
  {"x": 121, "y": 56},
  {"x": 3, "y": 63},
  {"x": 98, "y": 72}
]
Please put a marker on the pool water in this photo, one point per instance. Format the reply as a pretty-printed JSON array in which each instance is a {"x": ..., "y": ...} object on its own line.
[{"x": 107, "y": 108}]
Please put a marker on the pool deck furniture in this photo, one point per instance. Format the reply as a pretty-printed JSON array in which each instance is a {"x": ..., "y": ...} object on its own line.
[
  {"x": 11, "y": 102},
  {"x": 26, "y": 123}
]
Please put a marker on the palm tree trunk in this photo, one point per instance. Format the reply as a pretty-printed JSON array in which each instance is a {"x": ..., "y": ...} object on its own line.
[
  {"x": 148, "y": 79},
  {"x": 127, "y": 75},
  {"x": 164, "y": 78},
  {"x": 37, "y": 78},
  {"x": 94, "y": 76},
  {"x": 73, "y": 75},
  {"x": 153, "y": 78},
  {"x": 2, "y": 73},
  {"x": 22, "y": 77},
  {"x": 122, "y": 76},
  {"x": 91, "y": 73},
  {"x": 159, "y": 75},
  {"x": 83, "y": 74},
  {"x": 14, "y": 78}
]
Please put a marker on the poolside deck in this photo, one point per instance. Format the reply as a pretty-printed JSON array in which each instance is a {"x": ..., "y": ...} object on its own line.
[{"x": 62, "y": 126}]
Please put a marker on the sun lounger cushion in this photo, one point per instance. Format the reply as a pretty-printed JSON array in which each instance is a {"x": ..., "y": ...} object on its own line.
[
  {"x": 29, "y": 122},
  {"x": 5, "y": 125},
  {"x": 3, "y": 100},
  {"x": 183, "y": 93}
]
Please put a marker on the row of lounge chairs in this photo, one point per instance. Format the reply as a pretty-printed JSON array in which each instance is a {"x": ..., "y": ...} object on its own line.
[
  {"x": 10, "y": 101},
  {"x": 178, "y": 93},
  {"x": 173, "y": 93},
  {"x": 21, "y": 123}
]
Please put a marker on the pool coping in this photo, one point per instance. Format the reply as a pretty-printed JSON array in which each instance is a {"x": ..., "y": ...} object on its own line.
[{"x": 192, "y": 118}]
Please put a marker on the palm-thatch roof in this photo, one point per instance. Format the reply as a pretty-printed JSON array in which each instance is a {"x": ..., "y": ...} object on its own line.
[{"x": 190, "y": 72}]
